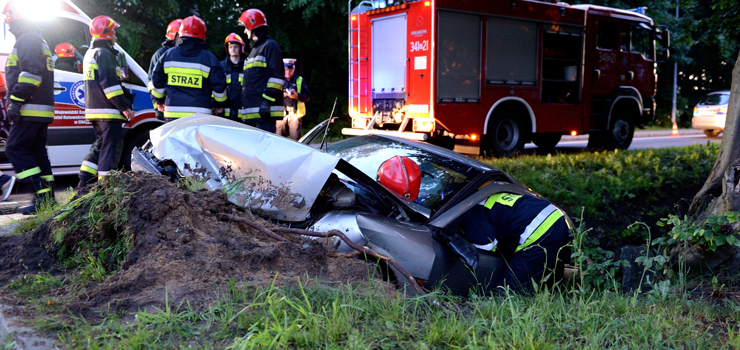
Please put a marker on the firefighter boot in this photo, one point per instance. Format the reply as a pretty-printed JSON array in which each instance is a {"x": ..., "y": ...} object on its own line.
[
  {"x": 85, "y": 179},
  {"x": 44, "y": 196}
]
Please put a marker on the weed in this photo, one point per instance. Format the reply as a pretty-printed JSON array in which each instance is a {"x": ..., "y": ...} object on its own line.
[{"x": 714, "y": 232}]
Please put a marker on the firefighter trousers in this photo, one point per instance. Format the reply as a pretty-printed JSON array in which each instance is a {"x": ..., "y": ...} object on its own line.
[
  {"x": 105, "y": 152},
  {"x": 26, "y": 149}
]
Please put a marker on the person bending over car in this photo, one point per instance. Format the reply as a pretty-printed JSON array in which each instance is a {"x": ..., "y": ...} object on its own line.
[{"x": 528, "y": 232}]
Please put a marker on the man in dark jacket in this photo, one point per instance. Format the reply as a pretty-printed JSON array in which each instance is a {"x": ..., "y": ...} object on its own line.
[
  {"x": 171, "y": 36},
  {"x": 30, "y": 77},
  {"x": 106, "y": 103},
  {"x": 295, "y": 96},
  {"x": 234, "y": 68},
  {"x": 189, "y": 78},
  {"x": 262, "y": 92}
]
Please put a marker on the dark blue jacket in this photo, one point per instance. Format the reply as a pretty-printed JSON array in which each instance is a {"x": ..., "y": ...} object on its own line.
[
  {"x": 105, "y": 97},
  {"x": 29, "y": 73},
  {"x": 168, "y": 44},
  {"x": 187, "y": 78},
  {"x": 234, "y": 78},
  {"x": 264, "y": 77}
]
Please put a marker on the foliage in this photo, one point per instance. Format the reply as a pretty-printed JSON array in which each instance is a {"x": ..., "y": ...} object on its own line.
[
  {"x": 597, "y": 267},
  {"x": 713, "y": 233}
]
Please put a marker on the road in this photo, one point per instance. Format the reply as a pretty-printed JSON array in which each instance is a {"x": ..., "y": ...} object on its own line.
[{"x": 643, "y": 139}]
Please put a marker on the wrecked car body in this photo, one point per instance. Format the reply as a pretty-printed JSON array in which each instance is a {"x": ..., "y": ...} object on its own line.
[{"x": 304, "y": 187}]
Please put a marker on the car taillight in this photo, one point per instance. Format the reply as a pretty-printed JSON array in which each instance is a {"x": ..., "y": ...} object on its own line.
[
  {"x": 722, "y": 110},
  {"x": 696, "y": 111}
]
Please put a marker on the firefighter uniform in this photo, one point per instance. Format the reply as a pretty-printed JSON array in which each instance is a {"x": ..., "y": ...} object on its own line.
[
  {"x": 295, "y": 109},
  {"x": 105, "y": 100},
  {"x": 189, "y": 78},
  {"x": 30, "y": 79},
  {"x": 528, "y": 232},
  {"x": 234, "y": 78},
  {"x": 169, "y": 43}
]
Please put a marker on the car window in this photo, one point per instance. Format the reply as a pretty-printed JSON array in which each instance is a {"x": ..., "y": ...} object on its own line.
[
  {"x": 715, "y": 100},
  {"x": 63, "y": 32},
  {"x": 441, "y": 177}
]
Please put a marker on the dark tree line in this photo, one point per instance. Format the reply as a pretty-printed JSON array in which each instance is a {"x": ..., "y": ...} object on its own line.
[{"x": 704, "y": 40}]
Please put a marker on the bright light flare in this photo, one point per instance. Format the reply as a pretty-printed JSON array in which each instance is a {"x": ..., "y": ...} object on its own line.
[
  {"x": 474, "y": 137},
  {"x": 574, "y": 133},
  {"x": 354, "y": 18},
  {"x": 427, "y": 3},
  {"x": 40, "y": 10}
]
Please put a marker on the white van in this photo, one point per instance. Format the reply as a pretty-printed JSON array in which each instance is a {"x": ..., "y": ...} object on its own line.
[{"x": 70, "y": 135}]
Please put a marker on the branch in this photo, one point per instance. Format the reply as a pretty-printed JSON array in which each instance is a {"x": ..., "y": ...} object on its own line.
[{"x": 360, "y": 249}]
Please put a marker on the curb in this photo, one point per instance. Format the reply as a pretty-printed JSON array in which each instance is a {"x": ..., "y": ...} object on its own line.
[{"x": 644, "y": 133}]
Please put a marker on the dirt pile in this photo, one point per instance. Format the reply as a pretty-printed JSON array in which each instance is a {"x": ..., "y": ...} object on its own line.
[{"x": 176, "y": 244}]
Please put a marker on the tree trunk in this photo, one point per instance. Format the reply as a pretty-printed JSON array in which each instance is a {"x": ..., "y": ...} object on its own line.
[{"x": 721, "y": 192}]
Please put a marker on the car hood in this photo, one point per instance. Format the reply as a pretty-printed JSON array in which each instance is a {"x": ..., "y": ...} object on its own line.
[{"x": 271, "y": 175}]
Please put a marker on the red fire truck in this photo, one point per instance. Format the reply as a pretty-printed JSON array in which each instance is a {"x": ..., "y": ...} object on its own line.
[{"x": 501, "y": 73}]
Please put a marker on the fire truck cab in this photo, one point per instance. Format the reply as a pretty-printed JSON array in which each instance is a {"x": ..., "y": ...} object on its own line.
[
  {"x": 500, "y": 74},
  {"x": 70, "y": 135}
]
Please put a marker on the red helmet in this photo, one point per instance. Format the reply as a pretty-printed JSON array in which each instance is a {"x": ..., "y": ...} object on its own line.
[
  {"x": 253, "y": 18},
  {"x": 65, "y": 50},
  {"x": 233, "y": 38},
  {"x": 103, "y": 28},
  {"x": 193, "y": 27},
  {"x": 13, "y": 11},
  {"x": 401, "y": 175},
  {"x": 173, "y": 28}
]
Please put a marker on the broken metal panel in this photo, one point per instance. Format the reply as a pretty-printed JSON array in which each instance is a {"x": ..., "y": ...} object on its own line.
[{"x": 272, "y": 175}]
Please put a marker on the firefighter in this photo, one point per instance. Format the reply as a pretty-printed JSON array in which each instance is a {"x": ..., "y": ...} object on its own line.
[
  {"x": 295, "y": 96},
  {"x": 66, "y": 59},
  {"x": 234, "y": 68},
  {"x": 107, "y": 105},
  {"x": 30, "y": 80},
  {"x": 6, "y": 181},
  {"x": 262, "y": 98},
  {"x": 188, "y": 77},
  {"x": 529, "y": 233},
  {"x": 170, "y": 41}
]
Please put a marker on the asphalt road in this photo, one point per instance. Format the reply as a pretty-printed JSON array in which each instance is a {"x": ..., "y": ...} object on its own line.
[{"x": 643, "y": 139}]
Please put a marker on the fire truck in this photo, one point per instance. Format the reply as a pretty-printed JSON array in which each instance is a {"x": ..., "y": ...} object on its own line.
[{"x": 499, "y": 74}]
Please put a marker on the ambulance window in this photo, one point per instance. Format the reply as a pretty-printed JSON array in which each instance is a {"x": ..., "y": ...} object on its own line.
[
  {"x": 64, "y": 31},
  {"x": 511, "y": 52},
  {"x": 607, "y": 35},
  {"x": 642, "y": 41},
  {"x": 459, "y": 57}
]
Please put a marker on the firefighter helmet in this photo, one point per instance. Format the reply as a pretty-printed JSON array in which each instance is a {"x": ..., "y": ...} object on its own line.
[
  {"x": 253, "y": 18},
  {"x": 401, "y": 175},
  {"x": 13, "y": 10},
  {"x": 173, "y": 28},
  {"x": 233, "y": 38},
  {"x": 65, "y": 50},
  {"x": 193, "y": 27},
  {"x": 103, "y": 28}
]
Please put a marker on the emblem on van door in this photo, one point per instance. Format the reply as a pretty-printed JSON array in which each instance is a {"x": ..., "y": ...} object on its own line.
[{"x": 77, "y": 93}]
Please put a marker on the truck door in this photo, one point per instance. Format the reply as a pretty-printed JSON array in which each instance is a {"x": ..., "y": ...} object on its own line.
[
  {"x": 389, "y": 57},
  {"x": 605, "y": 61},
  {"x": 638, "y": 53}
]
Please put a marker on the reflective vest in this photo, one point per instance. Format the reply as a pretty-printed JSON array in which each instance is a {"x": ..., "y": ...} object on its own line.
[
  {"x": 105, "y": 97},
  {"x": 29, "y": 72},
  {"x": 264, "y": 77},
  {"x": 296, "y": 106},
  {"x": 536, "y": 228}
]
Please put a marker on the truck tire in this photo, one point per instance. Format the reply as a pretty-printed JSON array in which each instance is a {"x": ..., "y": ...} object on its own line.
[
  {"x": 505, "y": 135},
  {"x": 136, "y": 140},
  {"x": 620, "y": 133},
  {"x": 712, "y": 133},
  {"x": 546, "y": 141}
]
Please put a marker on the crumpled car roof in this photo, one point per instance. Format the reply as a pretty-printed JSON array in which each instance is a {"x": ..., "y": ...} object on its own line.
[{"x": 271, "y": 175}]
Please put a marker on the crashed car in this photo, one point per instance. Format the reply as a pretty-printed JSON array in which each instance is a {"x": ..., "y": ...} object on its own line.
[{"x": 306, "y": 187}]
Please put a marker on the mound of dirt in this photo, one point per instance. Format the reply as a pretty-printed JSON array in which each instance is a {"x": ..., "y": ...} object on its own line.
[{"x": 179, "y": 247}]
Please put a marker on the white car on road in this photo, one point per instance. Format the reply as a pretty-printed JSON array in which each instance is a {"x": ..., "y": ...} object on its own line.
[{"x": 710, "y": 113}]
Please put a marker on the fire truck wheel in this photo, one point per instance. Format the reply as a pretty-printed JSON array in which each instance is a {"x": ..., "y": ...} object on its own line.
[
  {"x": 620, "y": 133},
  {"x": 546, "y": 141},
  {"x": 136, "y": 140},
  {"x": 505, "y": 135}
]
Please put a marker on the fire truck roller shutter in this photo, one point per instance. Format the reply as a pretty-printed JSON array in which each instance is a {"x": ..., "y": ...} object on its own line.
[{"x": 509, "y": 126}]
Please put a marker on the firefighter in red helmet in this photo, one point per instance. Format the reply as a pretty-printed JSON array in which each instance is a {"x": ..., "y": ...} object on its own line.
[
  {"x": 171, "y": 37},
  {"x": 189, "y": 78},
  {"x": 233, "y": 66},
  {"x": 66, "y": 59},
  {"x": 107, "y": 103},
  {"x": 29, "y": 73},
  {"x": 262, "y": 91}
]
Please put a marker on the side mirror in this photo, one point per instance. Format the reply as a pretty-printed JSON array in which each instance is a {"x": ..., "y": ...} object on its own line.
[{"x": 664, "y": 55}]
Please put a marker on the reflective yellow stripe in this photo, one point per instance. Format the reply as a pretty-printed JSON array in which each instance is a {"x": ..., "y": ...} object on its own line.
[
  {"x": 276, "y": 114},
  {"x": 48, "y": 177},
  {"x": 274, "y": 86},
  {"x": 187, "y": 71},
  {"x": 43, "y": 190},
  {"x": 30, "y": 172},
  {"x": 17, "y": 98},
  {"x": 157, "y": 94},
  {"x": 113, "y": 94},
  {"x": 28, "y": 80},
  {"x": 104, "y": 116},
  {"x": 249, "y": 116},
  {"x": 88, "y": 169},
  {"x": 228, "y": 80},
  {"x": 12, "y": 60},
  {"x": 301, "y": 105},
  {"x": 504, "y": 198},
  {"x": 541, "y": 230},
  {"x": 220, "y": 99},
  {"x": 268, "y": 98},
  {"x": 35, "y": 113},
  {"x": 255, "y": 64},
  {"x": 177, "y": 115}
]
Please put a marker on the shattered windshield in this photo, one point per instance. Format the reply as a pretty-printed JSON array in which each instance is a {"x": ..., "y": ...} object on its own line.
[{"x": 441, "y": 177}]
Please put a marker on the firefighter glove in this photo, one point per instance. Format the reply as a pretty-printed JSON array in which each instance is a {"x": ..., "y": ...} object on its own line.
[
  {"x": 14, "y": 112},
  {"x": 265, "y": 109},
  {"x": 465, "y": 251}
]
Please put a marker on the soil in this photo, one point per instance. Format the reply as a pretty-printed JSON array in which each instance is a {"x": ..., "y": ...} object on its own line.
[{"x": 180, "y": 250}]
